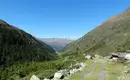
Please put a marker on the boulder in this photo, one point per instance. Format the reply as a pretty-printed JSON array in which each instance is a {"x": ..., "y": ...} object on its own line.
[
  {"x": 34, "y": 78},
  {"x": 83, "y": 65},
  {"x": 115, "y": 59},
  {"x": 88, "y": 57},
  {"x": 97, "y": 56},
  {"x": 65, "y": 72},
  {"x": 61, "y": 74},
  {"x": 75, "y": 70},
  {"x": 71, "y": 72},
  {"x": 58, "y": 75},
  {"x": 127, "y": 56}
]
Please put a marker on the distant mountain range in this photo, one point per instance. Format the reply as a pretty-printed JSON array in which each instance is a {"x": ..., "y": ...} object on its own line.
[
  {"x": 18, "y": 46},
  {"x": 57, "y": 43},
  {"x": 113, "y": 35}
]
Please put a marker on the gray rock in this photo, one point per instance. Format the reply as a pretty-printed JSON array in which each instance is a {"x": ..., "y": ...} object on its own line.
[
  {"x": 88, "y": 57},
  {"x": 34, "y": 78},
  {"x": 127, "y": 57},
  {"x": 58, "y": 75}
]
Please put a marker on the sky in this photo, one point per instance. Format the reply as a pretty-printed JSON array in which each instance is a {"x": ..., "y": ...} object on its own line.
[{"x": 59, "y": 18}]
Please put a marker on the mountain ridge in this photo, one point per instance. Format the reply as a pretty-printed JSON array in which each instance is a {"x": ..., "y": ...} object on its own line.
[
  {"x": 114, "y": 31},
  {"x": 18, "y": 46}
]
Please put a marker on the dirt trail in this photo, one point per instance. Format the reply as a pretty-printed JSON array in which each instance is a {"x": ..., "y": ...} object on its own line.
[
  {"x": 103, "y": 73},
  {"x": 90, "y": 71}
]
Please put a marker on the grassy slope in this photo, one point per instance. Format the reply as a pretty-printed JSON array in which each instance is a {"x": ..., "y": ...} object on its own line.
[
  {"x": 111, "y": 36},
  {"x": 114, "y": 71}
]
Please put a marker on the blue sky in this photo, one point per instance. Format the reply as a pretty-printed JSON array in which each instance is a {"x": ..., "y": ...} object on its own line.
[{"x": 59, "y": 18}]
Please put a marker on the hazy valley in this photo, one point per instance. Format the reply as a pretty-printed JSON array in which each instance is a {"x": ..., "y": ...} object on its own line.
[{"x": 57, "y": 43}]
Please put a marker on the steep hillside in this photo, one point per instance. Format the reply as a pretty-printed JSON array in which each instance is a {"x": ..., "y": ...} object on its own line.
[
  {"x": 19, "y": 46},
  {"x": 57, "y": 43},
  {"x": 112, "y": 35}
]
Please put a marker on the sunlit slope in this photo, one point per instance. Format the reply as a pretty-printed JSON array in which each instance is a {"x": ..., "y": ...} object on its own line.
[{"x": 112, "y": 35}]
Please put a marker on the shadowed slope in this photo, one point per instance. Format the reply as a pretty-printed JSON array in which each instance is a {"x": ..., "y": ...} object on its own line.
[{"x": 19, "y": 46}]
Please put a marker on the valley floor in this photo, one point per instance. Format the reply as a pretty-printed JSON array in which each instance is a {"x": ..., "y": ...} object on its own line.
[{"x": 99, "y": 69}]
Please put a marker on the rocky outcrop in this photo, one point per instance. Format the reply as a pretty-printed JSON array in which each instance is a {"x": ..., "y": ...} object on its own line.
[{"x": 66, "y": 73}]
